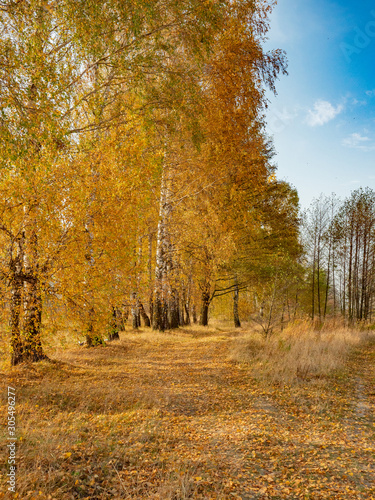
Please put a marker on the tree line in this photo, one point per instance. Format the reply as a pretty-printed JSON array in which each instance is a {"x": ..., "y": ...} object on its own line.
[
  {"x": 326, "y": 270},
  {"x": 134, "y": 160},
  {"x": 339, "y": 239},
  {"x": 137, "y": 180}
]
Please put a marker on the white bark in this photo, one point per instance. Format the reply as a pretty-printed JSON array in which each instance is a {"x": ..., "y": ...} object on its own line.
[{"x": 162, "y": 252}]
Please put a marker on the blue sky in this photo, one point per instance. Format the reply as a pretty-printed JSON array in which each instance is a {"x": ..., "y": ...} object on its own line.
[{"x": 323, "y": 118}]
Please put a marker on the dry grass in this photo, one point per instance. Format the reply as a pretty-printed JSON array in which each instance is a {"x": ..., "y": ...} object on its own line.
[
  {"x": 91, "y": 415},
  {"x": 169, "y": 417},
  {"x": 300, "y": 352}
]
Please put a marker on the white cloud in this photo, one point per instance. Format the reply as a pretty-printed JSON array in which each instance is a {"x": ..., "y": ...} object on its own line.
[
  {"x": 356, "y": 102},
  {"x": 322, "y": 113},
  {"x": 358, "y": 141},
  {"x": 370, "y": 93}
]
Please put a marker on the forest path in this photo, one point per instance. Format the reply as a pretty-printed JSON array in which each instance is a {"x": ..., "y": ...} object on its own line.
[{"x": 169, "y": 416}]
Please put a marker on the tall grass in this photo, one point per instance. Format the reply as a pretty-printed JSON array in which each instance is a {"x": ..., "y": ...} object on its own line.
[{"x": 300, "y": 352}]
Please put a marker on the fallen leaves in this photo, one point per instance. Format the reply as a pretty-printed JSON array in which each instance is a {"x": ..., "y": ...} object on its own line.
[{"x": 202, "y": 430}]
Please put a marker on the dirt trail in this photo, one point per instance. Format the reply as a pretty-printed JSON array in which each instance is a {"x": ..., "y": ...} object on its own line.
[{"x": 174, "y": 418}]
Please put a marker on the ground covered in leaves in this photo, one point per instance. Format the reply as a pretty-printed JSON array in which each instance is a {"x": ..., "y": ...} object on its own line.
[{"x": 170, "y": 416}]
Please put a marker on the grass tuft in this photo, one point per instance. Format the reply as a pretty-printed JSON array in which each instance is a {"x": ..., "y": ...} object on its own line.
[{"x": 300, "y": 352}]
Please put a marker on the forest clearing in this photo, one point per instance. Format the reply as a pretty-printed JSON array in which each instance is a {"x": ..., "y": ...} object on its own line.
[{"x": 177, "y": 416}]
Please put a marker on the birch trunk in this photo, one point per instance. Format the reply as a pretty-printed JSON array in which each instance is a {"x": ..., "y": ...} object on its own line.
[
  {"x": 143, "y": 314},
  {"x": 91, "y": 338},
  {"x": 236, "y": 317},
  {"x": 188, "y": 300},
  {"x": 114, "y": 324},
  {"x": 149, "y": 266},
  {"x": 32, "y": 345},
  {"x": 205, "y": 305},
  {"x": 16, "y": 285},
  {"x": 32, "y": 297},
  {"x": 174, "y": 310},
  {"x": 134, "y": 308},
  {"x": 160, "y": 316},
  {"x": 313, "y": 283},
  {"x": 174, "y": 315},
  {"x": 328, "y": 276},
  {"x": 33, "y": 349},
  {"x": 194, "y": 313},
  {"x": 15, "y": 317},
  {"x": 187, "y": 314}
]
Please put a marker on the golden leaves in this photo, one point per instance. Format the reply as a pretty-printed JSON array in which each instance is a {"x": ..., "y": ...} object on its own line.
[{"x": 170, "y": 414}]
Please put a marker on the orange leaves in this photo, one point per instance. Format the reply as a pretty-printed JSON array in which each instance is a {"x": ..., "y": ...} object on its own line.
[{"x": 171, "y": 415}]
